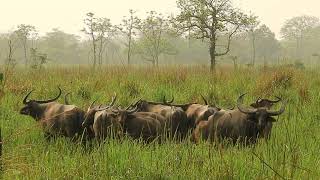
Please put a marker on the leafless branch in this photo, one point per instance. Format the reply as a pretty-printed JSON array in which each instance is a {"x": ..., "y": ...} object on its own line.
[{"x": 229, "y": 42}]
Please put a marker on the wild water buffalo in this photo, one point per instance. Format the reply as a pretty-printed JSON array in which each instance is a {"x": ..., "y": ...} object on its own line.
[
  {"x": 196, "y": 112},
  {"x": 175, "y": 117},
  {"x": 102, "y": 121},
  {"x": 146, "y": 125},
  {"x": 56, "y": 119},
  {"x": 267, "y": 104},
  {"x": 244, "y": 124}
]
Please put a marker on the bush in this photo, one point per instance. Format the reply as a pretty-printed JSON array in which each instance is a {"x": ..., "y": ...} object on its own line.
[{"x": 271, "y": 81}]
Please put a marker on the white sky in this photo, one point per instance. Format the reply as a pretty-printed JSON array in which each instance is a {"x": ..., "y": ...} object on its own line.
[{"x": 68, "y": 15}]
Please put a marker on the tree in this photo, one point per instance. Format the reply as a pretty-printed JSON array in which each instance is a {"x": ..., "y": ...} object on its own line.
[
  {"x": 266, "y": 43},
  {"x": 153, "y": 41},
  {"x": 60, "y": 46},
  {"x": 37, "y": 59},
  {"x": 240, "y": 48},
  {"x": 24, "y": 33},
  {"x": 313, "y": 43},
  {"x": 296, "y": 28},
  {"x": 91, "y": 29},
  {"x": 99, "y": 30},
  {"x": 128, "y": 27},
  {"x": 252, "y": 26},
  {"x": 10, "y": 61},
  {"x": 105, "y": 33},
  {"x": 209, "y": 19}
]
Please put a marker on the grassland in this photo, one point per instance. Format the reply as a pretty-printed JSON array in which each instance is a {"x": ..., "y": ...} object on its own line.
[{"x": 293, "y": 151}]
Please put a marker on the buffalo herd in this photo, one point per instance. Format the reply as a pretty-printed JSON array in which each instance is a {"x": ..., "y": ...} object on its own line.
[{"x": 155, "y": 121}]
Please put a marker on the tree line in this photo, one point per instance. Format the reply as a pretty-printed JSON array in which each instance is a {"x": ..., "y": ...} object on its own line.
[{"x": 203, "y": 31}]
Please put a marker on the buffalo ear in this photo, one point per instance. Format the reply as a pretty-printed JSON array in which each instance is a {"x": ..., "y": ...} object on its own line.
[{"x": 271, "y": 119}]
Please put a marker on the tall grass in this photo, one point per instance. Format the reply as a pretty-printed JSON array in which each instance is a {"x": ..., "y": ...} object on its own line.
[{"x": 291, "y": 153}]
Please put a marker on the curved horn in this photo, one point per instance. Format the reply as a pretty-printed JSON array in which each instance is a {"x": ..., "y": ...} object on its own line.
[
  {"x": 102, "y": 109},
  {"x": 133, "y": 104},
  {"x": 275, "y": 101},
  {"x": 114, "y": 98},
  {"x": 66, "y": 98},
  {"x": 258, "y": 100},
  {"x": 168, "y": 102},
  {"x": 128, "y": 107},
  {"x": 277, "y": 113},
  {"x": 90, "y": 107},
  {"x": 204, "y": 99},
  {"x": 51, "y": 100},
  {"x": 128, "y": 110},
  {"x": 135, "y": 109},
  {"x": 242, "y": 108},
  {"x": 26, "y": 97},
  {"x": 136, "y": 103}
]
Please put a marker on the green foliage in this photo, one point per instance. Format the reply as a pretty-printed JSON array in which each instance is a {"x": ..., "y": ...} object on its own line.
[
  {"x": 25, "y": 33},
  {"x": 153, "y": 41},
  {"x": 37, "y": 59},
  {"x": 266, "y": 42},
  {"x": 209, "y": 20},
  {"x": 60, "y": 47},
  {"x": 301, "y": 35},
  {"x": 129, "y": 27},
  {"x": 292, "y": 152},
  {"x": 295, "y": 27},
  {"x": 100, "y": 30}
]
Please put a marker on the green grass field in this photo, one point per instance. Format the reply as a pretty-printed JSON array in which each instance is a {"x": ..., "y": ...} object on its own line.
[{"x": 293, "y": 152}]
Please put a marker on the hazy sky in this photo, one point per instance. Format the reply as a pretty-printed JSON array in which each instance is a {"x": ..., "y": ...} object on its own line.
[{"x": 67, "y": 15}]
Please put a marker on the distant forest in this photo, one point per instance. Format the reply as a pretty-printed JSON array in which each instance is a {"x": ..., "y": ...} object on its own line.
[{"x": 157, "y": 39}]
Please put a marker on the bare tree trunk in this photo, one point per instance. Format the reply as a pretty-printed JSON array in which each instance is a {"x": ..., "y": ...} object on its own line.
[
  {"x": 253, "y": 48},
  {"x": 234, "y": 60},
  {"x": 265, "y": 65},
  {"x": 25, "y": 52},
  {"x": 106, "y": 56},
  {"x": 100, "y": 52},
  {"x": 129, "y": 48},
  {"x": 94, "y": 48},
  {"x": 129, "y": 43},
  {"x": 8, "y": 63},
  {"x": 94, "y": 53},
  {"x": 189, "y": 38},
  {"x": 299, "y": 43},
  {"x": 212, "y": 50}
]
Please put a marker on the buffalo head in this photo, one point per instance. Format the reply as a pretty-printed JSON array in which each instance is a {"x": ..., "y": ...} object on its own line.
[
  {"x": 33, "y": 108},
  {"x": 89, "y": 116},
  {"x": 260, "y": 115},
  {"x": 122, "y": 114}
]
